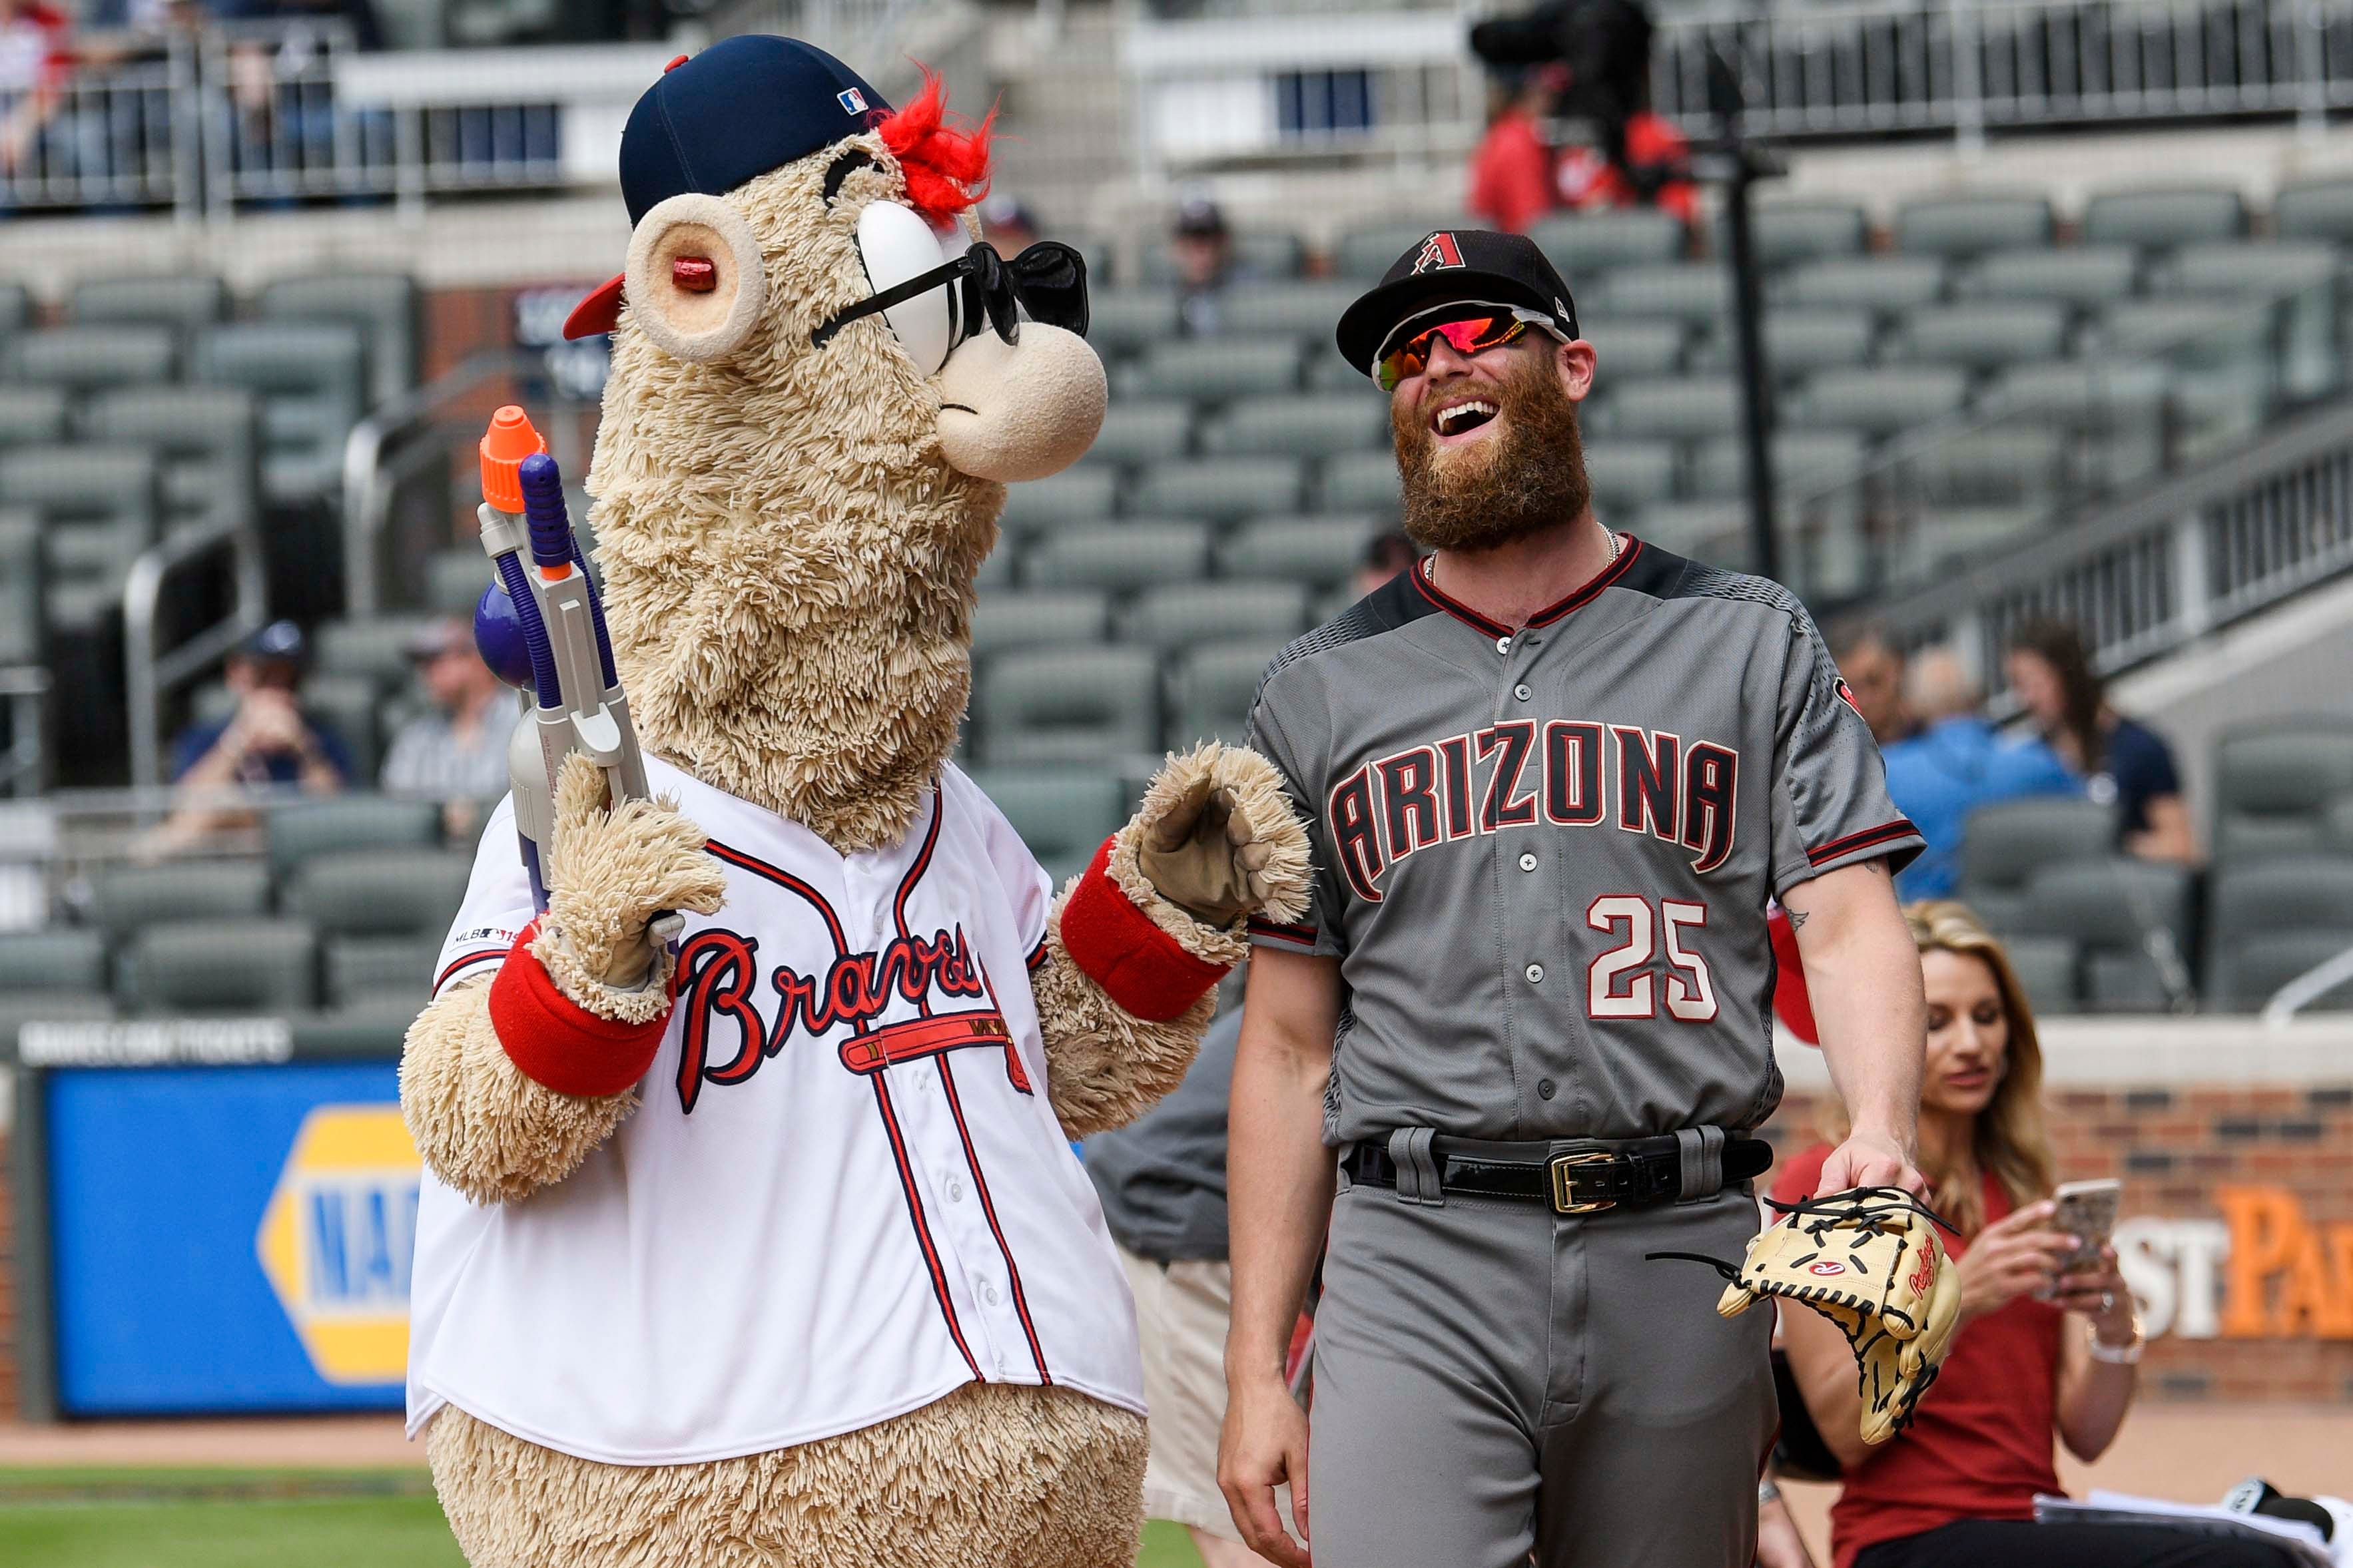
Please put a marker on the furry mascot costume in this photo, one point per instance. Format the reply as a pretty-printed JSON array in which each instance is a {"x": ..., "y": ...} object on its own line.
[{"x": 767, "y": 1248}]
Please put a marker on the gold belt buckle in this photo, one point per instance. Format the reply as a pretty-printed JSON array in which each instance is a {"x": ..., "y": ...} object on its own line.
[{"x": 1564, "y": 1184}]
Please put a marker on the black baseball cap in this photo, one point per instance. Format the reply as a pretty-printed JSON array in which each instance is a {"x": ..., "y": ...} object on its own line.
[
  {"x": 1455, "y": 267},
  {"x": 711, "y": 122}
]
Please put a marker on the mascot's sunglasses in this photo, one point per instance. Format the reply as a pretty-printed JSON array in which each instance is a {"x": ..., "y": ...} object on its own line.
[
  {"x": 1490, "y": 327},
  {"x": 1049, "y": 279}
]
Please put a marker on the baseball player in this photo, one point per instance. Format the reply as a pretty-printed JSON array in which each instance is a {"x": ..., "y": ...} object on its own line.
[{"x": 1551, "y": 776}]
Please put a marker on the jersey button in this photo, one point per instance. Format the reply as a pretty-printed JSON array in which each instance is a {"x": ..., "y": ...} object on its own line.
[
  {"x": 955, "y": 1192},
  {"x": 991, "y": 1294},
  {"x": 1528, "y": 862},
  {"x": 1521, "y": 691},
  {"x": 1535, "y": 974},
  {"x": 1543, "y": 1088},
  {"x": 1503, "y": 645}
]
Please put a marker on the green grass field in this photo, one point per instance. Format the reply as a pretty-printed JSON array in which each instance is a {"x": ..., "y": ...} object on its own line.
[{"x": 239, "y": 1519}]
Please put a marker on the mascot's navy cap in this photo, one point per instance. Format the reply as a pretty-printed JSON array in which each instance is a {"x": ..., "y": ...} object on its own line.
[{"x": 741, "y": 107}]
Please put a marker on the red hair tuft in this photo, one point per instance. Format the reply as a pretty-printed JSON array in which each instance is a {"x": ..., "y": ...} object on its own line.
[{"x": 945, "y": 164}]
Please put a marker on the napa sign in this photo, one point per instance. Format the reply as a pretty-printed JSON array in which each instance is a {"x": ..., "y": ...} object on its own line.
[
  {"x": 2264, "y": 1270},
  {"x": 336, "y": 1239}
]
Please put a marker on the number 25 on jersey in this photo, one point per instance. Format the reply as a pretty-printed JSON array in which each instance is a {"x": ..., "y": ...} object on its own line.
[{"x": 1620, "y": 984}]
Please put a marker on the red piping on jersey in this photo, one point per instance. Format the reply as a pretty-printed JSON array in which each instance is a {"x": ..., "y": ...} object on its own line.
[
  {"x": 923, "y": 1229},
  {"x": 1885, "y": 832},
  {"x": 556, "y": 1042},
  {"x": 449, "y": 970},
  {"x": 1036, "y": 959},
  {"x": 1140, "y": 967},
  {"x": 1453, "y": 607},
  {"x": 1303, "y": 935},
  {"x": 989, "y": 1207},
  {"x": 790, "y": 883}
]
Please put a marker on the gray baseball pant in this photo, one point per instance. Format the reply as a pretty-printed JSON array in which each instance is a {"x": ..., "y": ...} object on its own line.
[{"x": 1493, "y": 1379}]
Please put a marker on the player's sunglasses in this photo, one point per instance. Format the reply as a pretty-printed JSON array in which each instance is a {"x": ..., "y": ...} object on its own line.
[{"x": 1489, "y": 329}]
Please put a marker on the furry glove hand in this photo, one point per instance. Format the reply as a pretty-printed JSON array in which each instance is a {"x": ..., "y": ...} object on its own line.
[
  {"x": 1205, "y": 855},
  {"x": 611, "y": 870}
]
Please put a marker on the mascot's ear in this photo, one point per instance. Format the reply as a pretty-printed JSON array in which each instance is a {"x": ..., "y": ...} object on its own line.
[{"x": 695, "y": 282}]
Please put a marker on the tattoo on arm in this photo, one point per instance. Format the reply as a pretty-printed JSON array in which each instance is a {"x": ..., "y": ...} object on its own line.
[{"x": 1798, "y": 918}]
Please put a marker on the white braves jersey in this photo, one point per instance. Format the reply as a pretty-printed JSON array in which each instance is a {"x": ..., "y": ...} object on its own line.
[{"x": 844, "y": 1193}]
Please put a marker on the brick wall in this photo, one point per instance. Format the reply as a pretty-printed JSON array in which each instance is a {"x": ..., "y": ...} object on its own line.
[{"x": 2182, "y": 1154}]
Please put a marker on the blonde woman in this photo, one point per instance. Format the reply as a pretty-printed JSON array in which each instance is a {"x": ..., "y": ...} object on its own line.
[{"x": 2038, "y": 1351}]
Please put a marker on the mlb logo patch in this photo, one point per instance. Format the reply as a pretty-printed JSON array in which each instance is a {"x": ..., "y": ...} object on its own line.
[
  {"x": 1437, "y": 251},
  {"x": 852, "y": 101}
]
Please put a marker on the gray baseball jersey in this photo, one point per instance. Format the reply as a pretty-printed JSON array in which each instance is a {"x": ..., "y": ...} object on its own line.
[{"x": 1543, "y": 858}]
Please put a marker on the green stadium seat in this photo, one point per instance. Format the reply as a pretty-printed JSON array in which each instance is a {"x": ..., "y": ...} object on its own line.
[
  {"x": 1630, "y": 475},
  {"x": 2083, "y": 394},
  {"x": 32, "y": 415},
  {"x": 1803, "y": 461},
  {"x": 1794, "y": 231},
  {"x": 210, "y": 440},
  {"x": 15, "y": 307},
  {"x": 311, "y": 379},
  {"x": 1798, "y": 342},
  {"x": 1120, "y": 556},
  {"x": 1880, "y": 401},
  {"x": 2082, "y": 277},
  {"x": 1139, "y": 430},
  {"x": 1299, "y": 424},
  {"x": 1125, "y": 321},
  {"x": 1063, "y": 814},
  {"x": 1212, "y": 688},
  {"x": 2314, "y": 209},
  {"x": 379, "y": 892},
  {"x": 1585, "y": 245},
  {"x": 1267, "y": 253},
  {"x": 454, "y": 580},
  {"x": 1184, "y": 614},
  {"x": 376, "y": 647},
  {"x": 1364, "y": 253},
  {"x": 1221, "y": 489},
  {"x": 1673, "y": 407},
  {"x": 1957, "y": 228},
  {"x": 1699, "y": 292},
  {"x": 2165, "y": 218},
  {"x": 1985, "y": 335},
  {"x": 1361, "y": 482},
  {"x": 1634, "y": 347},
  {"x": 2003, "y": 846},
  {"x": 1080, "y": 495},
  {"x": 386, "y": 307},
  {"x": 2012, "y": 463},
  {"x": 2187, "y": 332},
  {"x": 54, "y": 958},
  {"x": 128, "y": 898},
  {"x": 350, "y": 705},
  {"x": 2047, "y": 968},
  {"x": 1039, "y": 617},
  {"x": 183, "y": 302},
  {"x": 1945, "y": 534},
  {"x": 1045, "y": 706},
  {"x": 1214, "y": 370},
  {"x": 997, "y": 568},
  {"x": 371, "y": 971},
  {"x": 2275, "y": 785},
  {"x": 91, "y": 359},
  {"x": 1327, "y": 372},
  {"x": 2246, "y": 269},
  {"x": 2271, "y": 920},
  {"x": 2110, "y": 910},
  {"x": 1693, "y": 527},
  {"x": 1306, "y": 310},
  {"x": 1887, "y": 285},
  {"x": 344, "y": 823},
  {"x": 223, "y": 967},
  {"x": 24, "y": 583},
  {"x": 1317, "y": 551},
  {"x": 99, "y": 507}
]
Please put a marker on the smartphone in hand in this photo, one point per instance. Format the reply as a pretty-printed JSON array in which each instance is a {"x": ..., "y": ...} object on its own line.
[{"x": 2086, "y": 1210}]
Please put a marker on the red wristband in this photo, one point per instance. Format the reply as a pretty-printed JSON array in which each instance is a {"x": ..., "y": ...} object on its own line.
[
  {"x": 558, "y": 1043},
  {"x": 1141, "y": 967}
]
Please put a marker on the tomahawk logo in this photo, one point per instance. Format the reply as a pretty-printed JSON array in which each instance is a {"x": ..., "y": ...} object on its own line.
[{"x": 1439, "y": 251}]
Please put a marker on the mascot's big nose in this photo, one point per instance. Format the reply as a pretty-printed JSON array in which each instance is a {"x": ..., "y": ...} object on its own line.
[{"x": 1010, "y": 411}]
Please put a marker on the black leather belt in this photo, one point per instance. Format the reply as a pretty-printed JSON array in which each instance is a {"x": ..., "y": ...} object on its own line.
[{"x": 1572, "y": 1175}]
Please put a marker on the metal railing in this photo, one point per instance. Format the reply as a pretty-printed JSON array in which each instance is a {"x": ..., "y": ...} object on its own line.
[{"x": 153, "y": 672}]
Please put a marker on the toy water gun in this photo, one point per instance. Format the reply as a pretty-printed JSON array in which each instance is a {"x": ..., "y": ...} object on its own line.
[{"x": 541, "y": 627}]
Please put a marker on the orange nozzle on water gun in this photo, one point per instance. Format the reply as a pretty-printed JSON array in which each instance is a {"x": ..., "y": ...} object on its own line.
[{"x": 510, "y": 439}]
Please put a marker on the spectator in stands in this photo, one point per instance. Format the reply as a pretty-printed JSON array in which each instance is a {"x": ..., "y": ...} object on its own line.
[
  {"x": 1387, "y": 555},
  {"x": 457, "y": 753},
  {"x": 1622, "y": 155},
  {"x": 1953, "y": 765},
  {"x": 1512, "y": 173},
  {"x": 1203, "y": 249},
  {"x": 267, "y": 741},
  {"x": 1871, "y": 661},
  {"x": 1957, "y": 1488},
  {"x": 2123, "y": 764},
  {"x": 1007, "y": 223},
  {"x": 36, "y": 58}
]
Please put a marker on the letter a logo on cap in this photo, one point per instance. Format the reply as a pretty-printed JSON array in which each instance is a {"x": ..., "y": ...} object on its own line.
[
  {"x": 851, "y": 101},
  {"x": 1439, "y": 251}
]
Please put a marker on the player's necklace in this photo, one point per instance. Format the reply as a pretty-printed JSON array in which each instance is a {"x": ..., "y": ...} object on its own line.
[{"x": 1617, "y": 548}]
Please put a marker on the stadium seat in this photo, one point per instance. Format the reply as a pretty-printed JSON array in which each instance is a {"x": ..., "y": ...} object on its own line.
[
  {"x": 376, "y": 647},
  {"x": 297, "y": 833},
  {"x": 1317, "y": 551},
  {"x": 130, "y": 897},
  {"x": 1063, "y": 814},
  {"x": 1887, "y": 285},
  {"x": 1803, "y": 461},
  {"x": 1362, "y": 254},
  {"x": 369, "y": 971},
  {"x": 1299, "y": 424},
  {"x": 183, "y": 302},
  {"x": 18, "y": 1009},
  {"x": 2046, "y": 966},
  {"x": 2245, "y": 269},
  {"x": 1787, "y": 232},
  {"x": 1184, "y": 614},
  {"x": 1880, "y": 401},
  {"x": 32, "y": 415},
  {"x": 997, "y": 568},
  {"x": 379, "y": 892},
  {"x": 1361, "y": 482},
  {"x": 91, "y": 359},
  {"x": 1799, "y": 342},
  {"x": 1633, "y": 347},
  {"x": 1119, "y": 557},
  {"x": 386, "y": 307},
  {"x": 1138, "y": 430},
  {"x": 1269, "y": 253},
  {"x": 1957, "y": 228},
  {"x": 2165, "y": 218},
  {"x": 210, "y": 441},
  {"x": 52, "y": 960},
  {"x": 228, "y": 966},
  {"x": 311, "y": 379},
  {"x": 1047, "y": 706},
  {"x": 1699, "y": 292},
  {"x": 1694, "y": 528},
  {"x": 1583, "y": 246},
  {"x": 1214, "y": 370},
  {"x": 2004, "y": 844},
  {"x": 2095, "y": 393},
  {"x": 1983, "y": 336},
  {"x": 1123, "y": 321},
  {"x": 1212, "y": 688},
  {"x": 1630, "y": 475},
  {"x": 2119, "y": 913},
  {"x": 2010, "y": 464},
  {"x": 2314, "y": 209},
  {"x": 2270, "y": 922},
  {"x": 24, "y": 584},
  {"x": 99, "y": 507},
  {"x": 349, "y": 705},
  {"x": 2275, "y": 783},
  {"x": 1081, "y": 495},
  {"x": 15, "y": 307},
  {"x": 1677, "y": 407},
  {"x": 1221, "y": 489},
  {"x": 1004, "y": 622},
  {"x": 2082, "y": 276},
  {"x": 454, "y": 580},
  {"x": 1304, "y": 310}
]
